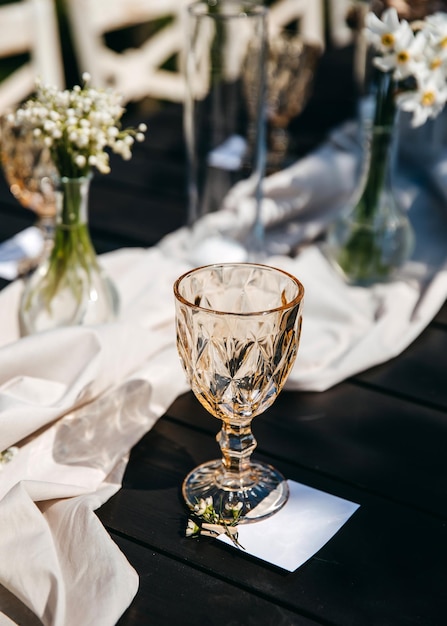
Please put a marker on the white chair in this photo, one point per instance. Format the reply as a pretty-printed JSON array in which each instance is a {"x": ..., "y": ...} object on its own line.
[
  {"x": 309, "y": 13},
  {"x": 339, "y": 31},
  {"x": 29, "y": 26},
  {"x": 139, "y": 72},
  {"x": 136, "y": 72}
]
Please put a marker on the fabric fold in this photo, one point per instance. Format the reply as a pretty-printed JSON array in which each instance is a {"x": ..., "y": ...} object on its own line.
[{"x": 75, "y": 400}]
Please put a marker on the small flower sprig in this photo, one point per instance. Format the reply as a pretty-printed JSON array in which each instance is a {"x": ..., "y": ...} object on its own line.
[
  {"x": 78, "y": 126},
  {"x": 7, "y": 455},
  {"x": 416, "y": 51},
  {"x": 206, "y": 521}
]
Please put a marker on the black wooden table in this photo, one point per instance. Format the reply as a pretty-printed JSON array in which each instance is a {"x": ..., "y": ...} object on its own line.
[{"x": 378, "y": 439}]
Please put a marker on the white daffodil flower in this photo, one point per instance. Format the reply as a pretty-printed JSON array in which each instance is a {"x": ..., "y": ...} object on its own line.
[
  {"x": 407, "y": 56},
  {"x": 384, "y": 33},
  {"x": 425, "y": 102},
  {"x": 435, "y": 64},
  {"x": 437, "y": 25},
  {"x": 417, "y": 51},
  {"x": 436, "y": 29}
]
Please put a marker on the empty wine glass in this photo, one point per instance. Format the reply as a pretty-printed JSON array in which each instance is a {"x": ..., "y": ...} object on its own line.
[
  {"x": 291, "y": 65},
  {"x": 238, "y": 331},
  {"x": 30, "y": 174}
]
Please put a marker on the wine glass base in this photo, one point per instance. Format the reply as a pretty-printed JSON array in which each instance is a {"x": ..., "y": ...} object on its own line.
[{"x": 262, "y": 490}]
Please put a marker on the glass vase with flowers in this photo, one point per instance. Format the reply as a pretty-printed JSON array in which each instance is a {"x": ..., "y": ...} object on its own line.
[
  {"x": 374, "y": 236},
  {"x": 79, "y": 127}
]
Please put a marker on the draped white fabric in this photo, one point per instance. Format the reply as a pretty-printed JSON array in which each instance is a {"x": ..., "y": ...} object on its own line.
[{"x": 76, "y": 400}]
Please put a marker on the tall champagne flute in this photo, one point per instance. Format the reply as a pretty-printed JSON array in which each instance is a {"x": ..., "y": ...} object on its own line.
[
  {"x": 30, "y": 174},
  {"x": 238, "y": 331}
]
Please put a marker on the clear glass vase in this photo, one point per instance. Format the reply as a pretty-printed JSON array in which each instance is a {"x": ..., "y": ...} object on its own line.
[
  {"x": 69, "y": 287},
  {"x": 224, "y": 124},
  {"x": 374, "y": 236}
]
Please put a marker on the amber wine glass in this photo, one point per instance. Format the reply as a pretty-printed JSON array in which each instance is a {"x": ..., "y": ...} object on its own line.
[
  {"x": 29, "y": 172},
  {"x": 238, "y": 331},
  {"x": 291, "y": 66}
]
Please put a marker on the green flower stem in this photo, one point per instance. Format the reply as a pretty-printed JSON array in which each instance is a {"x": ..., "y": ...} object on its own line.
[
  {"x": 361, "y": 257},
  {"x": 69, "y": 287},
  {"x": 72, "y": 250},
  {"x": 381, "y": 136},
  {"x": 209, "y": 522}
]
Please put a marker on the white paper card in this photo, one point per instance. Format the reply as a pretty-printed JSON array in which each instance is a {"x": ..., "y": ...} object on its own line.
[{"x": 294, "y": 534}]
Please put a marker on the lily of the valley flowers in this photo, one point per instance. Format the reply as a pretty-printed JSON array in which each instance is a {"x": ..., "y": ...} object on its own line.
[
  {"x": 79, "y": 126},
  {"x": 208, "y": 522},
  {"x": 415, "y": 51}
]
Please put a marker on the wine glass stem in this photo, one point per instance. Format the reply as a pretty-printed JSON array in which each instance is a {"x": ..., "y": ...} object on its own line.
[{"x": 237, "y": 444}]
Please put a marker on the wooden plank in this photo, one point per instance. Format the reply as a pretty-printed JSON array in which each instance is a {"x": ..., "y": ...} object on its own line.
[
  {"x": 149, "y": 170},
  {"x": 420, "y": 374},
  {"x": 373, "y": 441},
  {"x": 139, "y": 217},
  {"x": 385, "y": 566},
  {"x": 441, "y": 318},
  {"x": 175, "y": 592}
]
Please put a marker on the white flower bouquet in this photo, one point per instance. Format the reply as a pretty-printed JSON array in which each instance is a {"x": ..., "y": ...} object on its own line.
[
  {"x": 79, "y": 126},
  {"x": 415, "y": 54}
]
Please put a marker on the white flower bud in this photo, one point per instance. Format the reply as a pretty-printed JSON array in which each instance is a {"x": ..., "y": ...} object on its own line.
[
  {"x": 192, "y": 528},
  {"x": 82, "y": 140},
  {"x": 80, "y": 160}
]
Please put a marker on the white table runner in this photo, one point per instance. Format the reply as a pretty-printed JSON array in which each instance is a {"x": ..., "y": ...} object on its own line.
[{"x": 114, "y": 381}]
